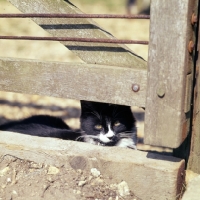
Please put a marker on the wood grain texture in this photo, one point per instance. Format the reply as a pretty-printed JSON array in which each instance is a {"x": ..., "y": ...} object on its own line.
[
  {"x": 149, "y": 175},
  {"x": 194, "y": 158},
  {"x": 169, "y": 63},
  {"x": 76, "y": 81},
  {"x": 105, "y": 54}
]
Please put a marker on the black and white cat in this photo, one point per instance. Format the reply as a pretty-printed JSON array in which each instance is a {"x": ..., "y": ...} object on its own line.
[
  {"x": 108, "y": 124},
  {"x": 101, "y": 124}
]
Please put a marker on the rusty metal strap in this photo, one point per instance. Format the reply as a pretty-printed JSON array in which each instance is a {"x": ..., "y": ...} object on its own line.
[
  {"x": 73, "y": 39},
  {"x": 50, "y": 15}
]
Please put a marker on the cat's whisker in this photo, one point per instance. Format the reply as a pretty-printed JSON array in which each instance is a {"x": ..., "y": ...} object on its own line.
[
  {"x": 126, "y": 134},
  {"x": 96, "y": 114},
  {"x": 78, "y": 138},
  {"x": 91, "y": 136},
  {"x": 87, "y": 136}
]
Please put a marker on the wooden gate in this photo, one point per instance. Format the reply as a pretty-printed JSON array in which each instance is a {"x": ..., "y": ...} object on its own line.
[{"x": 164, "y": 85}]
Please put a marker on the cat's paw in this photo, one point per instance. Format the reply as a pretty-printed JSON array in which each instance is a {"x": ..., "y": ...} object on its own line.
[{"x": 127, "y": 142}]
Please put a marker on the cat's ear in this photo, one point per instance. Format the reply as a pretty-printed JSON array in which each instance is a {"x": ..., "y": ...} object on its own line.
[{"x": 86, "y": 104}]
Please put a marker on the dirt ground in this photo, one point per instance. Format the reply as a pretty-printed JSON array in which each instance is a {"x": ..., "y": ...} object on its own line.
[{"x": 24, "y": 179}]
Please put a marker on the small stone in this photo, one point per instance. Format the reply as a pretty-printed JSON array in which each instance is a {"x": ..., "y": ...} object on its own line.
[
  {"x": 78, "y": 192},
  {"x": 95, "y": 172},
  {"x": 78, "y": 162},
  {"x": 98, "y": 181},
  {"x": 83, "y": 194},
  {"x": 4, "y": 171},
  {"x": 113, "y": 186},
  {"x": 82, "y": 178},
  {"x": 36, "y": 165},
  {"x": 123, "y": 189},
  {"x": 90, "y": 178},
  {"x": 14, "y": 192},
  {"x": 82, "y": 183},
  {"x": 79, "y": 171},
  {"x": 53, "y": 170},
  {"x": 9, "y": 180},
  {"x": 50, "y": 179}
]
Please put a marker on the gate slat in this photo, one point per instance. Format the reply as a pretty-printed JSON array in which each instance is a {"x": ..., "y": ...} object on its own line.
[
  {"x": 76, "y": 81},
  {"x": 105, "y": 54},
  {"x": 194, "y": 159}
]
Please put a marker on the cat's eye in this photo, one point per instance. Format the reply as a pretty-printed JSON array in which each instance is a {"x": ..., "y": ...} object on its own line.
[
  {"x": 117, "y": 123},
  {"x": 98, "y": 126}
]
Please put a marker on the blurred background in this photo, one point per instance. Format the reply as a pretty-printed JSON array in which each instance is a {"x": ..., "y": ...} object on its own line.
[{"x": 17, "y": 106}]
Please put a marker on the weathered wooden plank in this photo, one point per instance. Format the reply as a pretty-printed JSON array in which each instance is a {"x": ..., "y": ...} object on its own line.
[
  {"x": 169, "y": 63},
  {"x": 77, "y": 81},
  {"x": 105, "y": 54},
  {"x": 148, "y": 175},
  {"x": 194, "y": 158}
]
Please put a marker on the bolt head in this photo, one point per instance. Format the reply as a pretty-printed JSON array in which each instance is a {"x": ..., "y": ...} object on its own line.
[
  {"x": 135, "y": 87},
  {"x": 193, "y": 19},
  {"x": 191, "y": 46},
  {"x": 161, "y": 92}
]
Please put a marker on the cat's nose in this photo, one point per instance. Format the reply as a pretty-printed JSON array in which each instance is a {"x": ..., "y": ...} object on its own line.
[{"x": 112, "y": 137}]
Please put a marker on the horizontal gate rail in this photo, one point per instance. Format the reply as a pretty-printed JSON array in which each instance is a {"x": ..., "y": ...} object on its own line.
[{"x": 72, "y": 80}]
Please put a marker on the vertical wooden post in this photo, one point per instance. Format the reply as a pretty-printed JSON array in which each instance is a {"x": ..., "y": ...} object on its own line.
[
  {"x": 194, "y": 158},
  {"x": 170, "y": 72}
]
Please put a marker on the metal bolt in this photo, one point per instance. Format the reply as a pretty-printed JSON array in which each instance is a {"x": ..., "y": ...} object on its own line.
[
  {"x": 193, "y": 19},
  {"x": 161, "y": 92},
  {"x": 191, "y": 46},
  {"x": 135, "y": 87}
]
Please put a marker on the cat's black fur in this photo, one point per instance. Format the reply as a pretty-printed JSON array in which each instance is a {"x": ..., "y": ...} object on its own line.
[
  {"x": 116, "y": 125},
  {"x": 43, "y": 126}
]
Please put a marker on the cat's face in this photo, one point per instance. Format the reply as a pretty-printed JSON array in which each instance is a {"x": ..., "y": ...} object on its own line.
[{"x": 106, "y": 124}]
